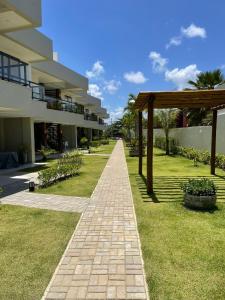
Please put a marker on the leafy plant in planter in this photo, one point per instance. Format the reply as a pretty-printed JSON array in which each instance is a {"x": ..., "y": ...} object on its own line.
[{"x": 199, "y": 193}]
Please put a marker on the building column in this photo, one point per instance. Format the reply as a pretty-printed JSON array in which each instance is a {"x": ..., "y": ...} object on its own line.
[
  {"x": 2, "y": 141},
  {"x": 28, "y": 137}
]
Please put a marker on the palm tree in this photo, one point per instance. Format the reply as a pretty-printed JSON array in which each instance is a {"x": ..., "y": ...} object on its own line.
[
  {"x": 131, "y": 109},
  {"x": 208, "y": 80},
  {"x": 167, "y": 120},
  {"x": 205, "y": 80},
  {"x": 128, "y": 123}
]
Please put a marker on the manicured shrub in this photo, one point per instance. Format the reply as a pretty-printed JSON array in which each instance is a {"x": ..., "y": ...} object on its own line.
[
  {"x": 68, "y": 165},
  {"x": 95, "y": 144},
  {"x": 45, "y": 152},
  {"x": 199, "y": 187},
  {"x": 104, "y": 142}
]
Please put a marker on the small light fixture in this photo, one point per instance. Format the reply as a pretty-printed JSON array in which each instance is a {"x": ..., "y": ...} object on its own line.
[{"x": 31, "y": 186}]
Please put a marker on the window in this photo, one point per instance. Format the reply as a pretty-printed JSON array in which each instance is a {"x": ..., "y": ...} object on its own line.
[{"x": 12, "y": 69}]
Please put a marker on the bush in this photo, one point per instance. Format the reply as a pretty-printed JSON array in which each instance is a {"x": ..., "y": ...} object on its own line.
[
  {"x": 45, "y": 152},
  {"x": 199, "y": 187},
  {"x": 67, "y": 166},
  {"x": 84, "y": 142},
  {"x": 104, "y": 142},
  {"x": 160, "y": 142},
  {"x": 95, "y": 144}
]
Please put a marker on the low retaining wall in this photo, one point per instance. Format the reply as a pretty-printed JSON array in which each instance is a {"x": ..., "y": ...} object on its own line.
[{"x": 198, "y": 137}]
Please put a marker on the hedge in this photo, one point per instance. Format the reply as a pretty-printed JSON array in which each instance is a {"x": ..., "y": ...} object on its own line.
[
  {"x": 160, "y": 142},
  {"x": 67, "y": 166}
]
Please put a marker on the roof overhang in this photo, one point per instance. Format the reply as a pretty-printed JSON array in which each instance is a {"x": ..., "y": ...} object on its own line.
[
  {"x": 19, "y": 14},
  {"x": 55, "y": 75}
]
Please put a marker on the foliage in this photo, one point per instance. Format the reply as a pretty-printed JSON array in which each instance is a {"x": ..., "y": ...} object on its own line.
[
  {"x": 202, "y": 156},
  {"x": 160, "y": 142},
  {"x": 45, "y": 152},
  {"x": 205, "y": 80},
  {"x": 167, "y": 120},
  {"x": 104, "y": 142},
  {"x": 95, "y": 144},
  {"x": 199, "y": 187},
  {"x": 84, "y": 142},
  {"x": 67, "y": 166}
]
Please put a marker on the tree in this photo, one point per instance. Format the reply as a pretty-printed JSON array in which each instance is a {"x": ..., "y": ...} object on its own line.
[
  {"x": 128, "y": 123},
  {"x": 205, "y": 80},
  {"x": 132, "y": 111},
  {"x": 167, "y": 120}
]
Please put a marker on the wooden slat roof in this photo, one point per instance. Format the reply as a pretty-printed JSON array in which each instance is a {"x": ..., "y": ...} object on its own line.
[{"x": 182, "y": 99}]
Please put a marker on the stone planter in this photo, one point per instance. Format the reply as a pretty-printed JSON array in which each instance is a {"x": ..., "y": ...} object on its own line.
[{"x": 199, "y": 202}]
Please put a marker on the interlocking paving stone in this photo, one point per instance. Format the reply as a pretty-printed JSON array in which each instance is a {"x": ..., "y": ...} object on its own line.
[
  {"x": 52, "y": 202},
  {"x": 103, "y": 258}
]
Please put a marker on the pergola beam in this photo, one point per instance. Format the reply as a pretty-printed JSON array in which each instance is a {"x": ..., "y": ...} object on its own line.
[
  {"x": 213, "y": 143},
  {"x": 150, "y": 147}
]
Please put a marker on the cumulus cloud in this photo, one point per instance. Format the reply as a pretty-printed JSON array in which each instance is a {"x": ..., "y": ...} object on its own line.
[
  {"x": 96, "y": 71},
  {"x": 112, "y": 86},
  {"x": 95, "y": 91},
  {"x": 193, "y": 31},
  {"x": 158, "y": 62},
  {"x": 135, "y": 77},
  {"x": 116, "y": 114},
  {"x": 189, "y": 32},
  {"x": 180, "y": 77}
]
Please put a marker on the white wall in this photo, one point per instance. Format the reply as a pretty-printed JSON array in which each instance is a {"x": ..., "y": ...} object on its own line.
[{"x": 199, "y": 137}]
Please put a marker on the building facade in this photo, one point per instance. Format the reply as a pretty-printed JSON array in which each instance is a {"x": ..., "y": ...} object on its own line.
[{"x": 42, "y": 102}]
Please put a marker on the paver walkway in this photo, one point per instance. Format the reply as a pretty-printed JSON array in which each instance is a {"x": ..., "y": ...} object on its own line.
[
  {"x": 103, "y": 259},
  {"x": 44, "y": 201}
]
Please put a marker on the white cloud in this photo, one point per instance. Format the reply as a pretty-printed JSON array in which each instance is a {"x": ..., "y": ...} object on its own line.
[
  {"x": 222, "y": 67},
  {"x": 193, "y": 31},
  {"x": 158, "y": 62},
  {"x": 116, "y": 114},
  {"x": 111, "y": 86},
  {"x": 180, "y": 77},
  {"x": 174, "y": 41},
  {"x": 135, "y": 77},
  {"x": 96, "y": 71},
  {"x": 189, "y": 32},
  {"x": 95, "y": 91}
]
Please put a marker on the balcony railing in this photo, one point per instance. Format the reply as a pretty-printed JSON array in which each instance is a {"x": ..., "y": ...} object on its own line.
[{"x": 90, "y": 117}]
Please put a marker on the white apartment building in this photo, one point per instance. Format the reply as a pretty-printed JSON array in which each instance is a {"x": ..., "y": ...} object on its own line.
[{"x": 42, "y": 102}]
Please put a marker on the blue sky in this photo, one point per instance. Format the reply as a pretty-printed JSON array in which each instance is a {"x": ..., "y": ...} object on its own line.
[{"x": 127, "y": 46}]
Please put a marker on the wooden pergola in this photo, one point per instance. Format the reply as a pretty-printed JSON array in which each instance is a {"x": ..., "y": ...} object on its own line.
[{"x": 212, "y": 99}]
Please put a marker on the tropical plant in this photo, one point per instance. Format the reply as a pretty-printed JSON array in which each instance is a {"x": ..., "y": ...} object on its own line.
[
  {"x": 199, "y": 187},
  {"x": 167, "y": 120},
  {"x": 131, "y": 110},
  {"x": 206, "y": 81},
  {"x": 128, "y": 123}
]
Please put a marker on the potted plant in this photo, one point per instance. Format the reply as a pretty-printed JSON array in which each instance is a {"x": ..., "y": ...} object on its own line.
[
  {"x": 199, "y": 193},
  {"x": 23, "y": 154}
]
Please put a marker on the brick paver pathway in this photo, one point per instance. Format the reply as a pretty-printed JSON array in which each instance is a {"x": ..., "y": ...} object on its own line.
[
  {"x": 103, "y": 258},
  {"x": 45, "y": 201}
]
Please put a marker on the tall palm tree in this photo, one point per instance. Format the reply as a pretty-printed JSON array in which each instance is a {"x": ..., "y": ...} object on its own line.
[
  {"x": 131, "y": 110},
  {"x": 205, "y": 80},
  {"x": 208, "y": 80}
]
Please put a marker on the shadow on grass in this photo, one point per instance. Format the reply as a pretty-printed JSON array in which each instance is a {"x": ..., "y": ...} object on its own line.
[{"x": 167, "y": 189}]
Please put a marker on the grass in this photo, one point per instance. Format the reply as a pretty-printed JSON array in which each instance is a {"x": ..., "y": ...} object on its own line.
[
  {"x": 32, "y": 242},
  {"x": 82, "y": 185},
  {"x": 104, "y": 149},
  {"x": 183, "y": 249}
]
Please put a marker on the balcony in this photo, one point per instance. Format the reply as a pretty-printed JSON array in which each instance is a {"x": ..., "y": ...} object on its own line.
[{"x": 90, "y": 117}]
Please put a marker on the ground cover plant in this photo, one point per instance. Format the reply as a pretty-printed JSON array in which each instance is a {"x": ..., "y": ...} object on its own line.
[
  {"x": 182, "y": 248},
  {"x": 32, "y": 242}
]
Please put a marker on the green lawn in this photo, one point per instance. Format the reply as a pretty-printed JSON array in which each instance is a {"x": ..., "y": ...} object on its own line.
[
  {"x": 104, "y": 149},
  {"x": 82, "y": 185},
  {"x": 32, "y": 242},
  {"x": 183, "y": 249}
]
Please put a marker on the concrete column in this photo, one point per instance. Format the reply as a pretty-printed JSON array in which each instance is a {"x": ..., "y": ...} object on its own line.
[
  {"x": 90, "y": 136},
  {"x": 2, "y": 139},
  {"x": 28, "y": 137}
]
